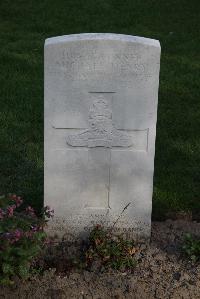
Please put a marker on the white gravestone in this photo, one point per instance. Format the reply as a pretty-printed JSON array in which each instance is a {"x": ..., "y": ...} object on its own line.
[{"x": 101, "y": 93}]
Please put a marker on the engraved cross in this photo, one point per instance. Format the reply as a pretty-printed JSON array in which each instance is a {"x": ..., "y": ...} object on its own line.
[{"x": 100, "y": 138}]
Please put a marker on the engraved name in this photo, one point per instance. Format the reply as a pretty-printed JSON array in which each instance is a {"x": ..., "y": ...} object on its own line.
[{"x": 82, "y": 66}]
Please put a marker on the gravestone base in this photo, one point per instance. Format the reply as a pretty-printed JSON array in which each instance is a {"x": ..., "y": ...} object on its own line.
[{"x": 79, "y": 226}]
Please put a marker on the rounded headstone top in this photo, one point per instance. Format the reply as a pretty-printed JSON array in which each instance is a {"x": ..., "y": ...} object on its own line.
[{"x": 102, "y": 36}]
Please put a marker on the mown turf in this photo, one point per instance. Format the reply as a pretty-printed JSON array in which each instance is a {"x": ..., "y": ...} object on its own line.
[{"x": 24, "y": 25}]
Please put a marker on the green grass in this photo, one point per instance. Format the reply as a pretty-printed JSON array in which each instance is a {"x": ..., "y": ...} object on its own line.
[{"x": 24, "y": 25}]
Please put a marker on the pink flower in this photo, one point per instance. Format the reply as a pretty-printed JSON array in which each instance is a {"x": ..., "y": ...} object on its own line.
[
  {"x": 14, "y": 236},
  {"x": 17, "y": 199},
  {"x": 17, "y": 235},
  {"x": 10, "y": 210}
]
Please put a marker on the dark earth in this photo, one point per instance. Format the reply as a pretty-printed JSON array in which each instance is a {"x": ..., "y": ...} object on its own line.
[{"x": 161, "y": 272}]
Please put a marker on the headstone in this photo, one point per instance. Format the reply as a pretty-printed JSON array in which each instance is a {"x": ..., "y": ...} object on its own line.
[{"x": 101, "y": 94}]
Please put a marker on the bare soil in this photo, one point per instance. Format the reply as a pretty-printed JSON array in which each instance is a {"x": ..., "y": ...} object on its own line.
[{"x": 162, "y": 272}]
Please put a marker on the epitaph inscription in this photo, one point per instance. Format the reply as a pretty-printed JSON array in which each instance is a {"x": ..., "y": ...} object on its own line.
[{"x": 101, "y": 132}]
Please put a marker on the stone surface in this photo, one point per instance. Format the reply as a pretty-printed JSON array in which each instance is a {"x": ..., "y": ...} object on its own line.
[{"x": 101, "y": 95}]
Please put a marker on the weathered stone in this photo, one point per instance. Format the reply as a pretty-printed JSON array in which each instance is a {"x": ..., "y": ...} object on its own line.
[{"x": 101, "y": 95}]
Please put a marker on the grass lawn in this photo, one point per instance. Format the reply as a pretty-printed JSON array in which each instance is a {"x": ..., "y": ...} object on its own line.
[{"x": 24, "y": 25}]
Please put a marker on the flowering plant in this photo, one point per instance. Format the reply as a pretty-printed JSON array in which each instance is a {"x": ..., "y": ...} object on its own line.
[
  {"x": 22, "y": 237},
  {"x": 110, "y": 250}
]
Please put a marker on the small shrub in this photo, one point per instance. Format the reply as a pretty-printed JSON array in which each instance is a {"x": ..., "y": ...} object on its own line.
[
  {"x": 21, "y": 237},
  {"x": 111, "y": 251},
  {"x": 191, "y": 247}
]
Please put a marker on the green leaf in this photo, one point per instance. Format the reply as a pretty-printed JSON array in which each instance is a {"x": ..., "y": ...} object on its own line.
[
  {"x": 23, "y": 270},
  {"x": 7, "y": 269}
]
